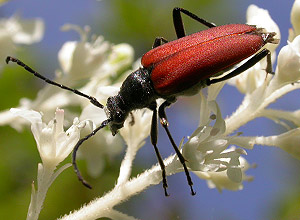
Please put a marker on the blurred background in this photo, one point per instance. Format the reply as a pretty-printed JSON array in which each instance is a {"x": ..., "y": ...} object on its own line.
[{"x": 275, "y": 191}]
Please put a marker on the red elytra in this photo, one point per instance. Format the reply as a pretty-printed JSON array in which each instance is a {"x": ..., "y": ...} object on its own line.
[{"x": 180, "y": 64}]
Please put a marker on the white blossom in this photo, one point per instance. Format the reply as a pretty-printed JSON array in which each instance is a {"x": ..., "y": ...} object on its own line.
[
  {"x": 288, "y": 141},
  {"x": 15, "y": 30},
  {"x": 23, "y": 31},
  {"x": 136, "y": 129},
  {"x": 207, "y": 150},
  {"x": 82, "y": 59},
  {"x": 254, "y": 77},
  {"x": 288, "y": 69},
  {"x": 221, "y": 181},
  {"x": 262, "y": 19},
  {"x": 53, "y": 143},
  {"x": 295, "y": 20}
]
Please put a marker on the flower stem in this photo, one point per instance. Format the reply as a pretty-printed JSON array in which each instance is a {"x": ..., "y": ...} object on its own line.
[
  {"x": 99, "y": 207},
  {"x": 45, "y": 177}
]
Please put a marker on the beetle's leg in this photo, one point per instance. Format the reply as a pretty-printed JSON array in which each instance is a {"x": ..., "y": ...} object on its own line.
[
  {"x": 79, "y": 143},
  {"x": 159, "y": 41},
  {"x": 178, "y": 23},
  {"x": 153, "y": 136},
  {"x": 164, "y": 122},
  {"x": 92, "y": 99},
  {"x": 251, "y": 62}
]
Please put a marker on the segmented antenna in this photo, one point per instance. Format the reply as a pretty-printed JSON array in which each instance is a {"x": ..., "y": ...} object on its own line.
[{"x": 92, "y": 99}]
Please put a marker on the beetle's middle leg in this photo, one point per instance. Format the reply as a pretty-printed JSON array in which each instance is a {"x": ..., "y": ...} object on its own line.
[{"x": 164, "y": 122}]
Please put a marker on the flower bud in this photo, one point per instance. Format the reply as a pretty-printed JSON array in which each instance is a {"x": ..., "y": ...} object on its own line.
[
  {"x": 289, "y": 62},
  {"x": 295, "y": 20}
]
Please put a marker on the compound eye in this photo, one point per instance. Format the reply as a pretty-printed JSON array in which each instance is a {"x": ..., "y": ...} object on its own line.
[{"x": 119, "y": 117}]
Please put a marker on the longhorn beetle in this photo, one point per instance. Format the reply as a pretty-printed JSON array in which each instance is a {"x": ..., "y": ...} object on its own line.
[{"x": 171, "y": 69}]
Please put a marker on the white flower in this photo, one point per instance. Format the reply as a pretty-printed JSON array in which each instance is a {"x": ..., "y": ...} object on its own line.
[
  {"x": 121, "y": 58},
  {"x": 82, "y": 59},
  {"x": 262, "y": 19},
  {"x": 280, "y": 116},
  {"x": 95, "y": 60},
  {"x": 255, "y": 76},
  {"x": 288, "y": 141},
  {"x": 207, "y": 151},
  {"x": 7, "y": 118},
  {"x": 16, "y": 31},
  {"x": 221, "y": 181},
  {"x": 136, "y": 129},
  {"x": 288, "y": 69},
  {"x": 53, "y": 143},
  {"x": 295, "y": 20},
  {"x": 98, "y": 150},
  {"x": 23, "y": 31}
]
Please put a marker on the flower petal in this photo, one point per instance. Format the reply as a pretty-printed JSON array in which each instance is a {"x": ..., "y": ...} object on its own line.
[
  {"x": 289, "y": 63},
  {"x": 295, "y": 20}
]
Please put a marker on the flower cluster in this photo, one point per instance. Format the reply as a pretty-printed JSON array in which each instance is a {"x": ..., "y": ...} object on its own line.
[
  {"x": 213, "y": 152},
  {"x": 14, "y": 31}
]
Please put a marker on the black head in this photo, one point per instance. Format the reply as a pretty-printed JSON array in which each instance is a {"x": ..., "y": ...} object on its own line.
[
  {"x": 116, "y": 112},
  {"x": 136, "y": 92}
]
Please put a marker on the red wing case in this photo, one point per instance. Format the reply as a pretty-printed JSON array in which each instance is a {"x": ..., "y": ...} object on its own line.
[{"x": 183, "y": 63}]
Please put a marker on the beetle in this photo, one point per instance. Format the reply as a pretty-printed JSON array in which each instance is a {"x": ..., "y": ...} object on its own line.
[{"x": 176, "y": 68}]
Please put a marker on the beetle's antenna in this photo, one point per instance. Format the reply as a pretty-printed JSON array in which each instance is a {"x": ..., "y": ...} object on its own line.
[
  {"x": 93, "y": 100},
  {"x": 81, "y": 179}
]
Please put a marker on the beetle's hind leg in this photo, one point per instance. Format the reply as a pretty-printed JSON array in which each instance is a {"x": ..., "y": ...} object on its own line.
[{"x": 251, "y": 62}]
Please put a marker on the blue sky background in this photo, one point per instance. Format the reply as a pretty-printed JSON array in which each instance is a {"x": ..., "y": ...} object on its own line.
[{"x": 277, "y": 173}]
